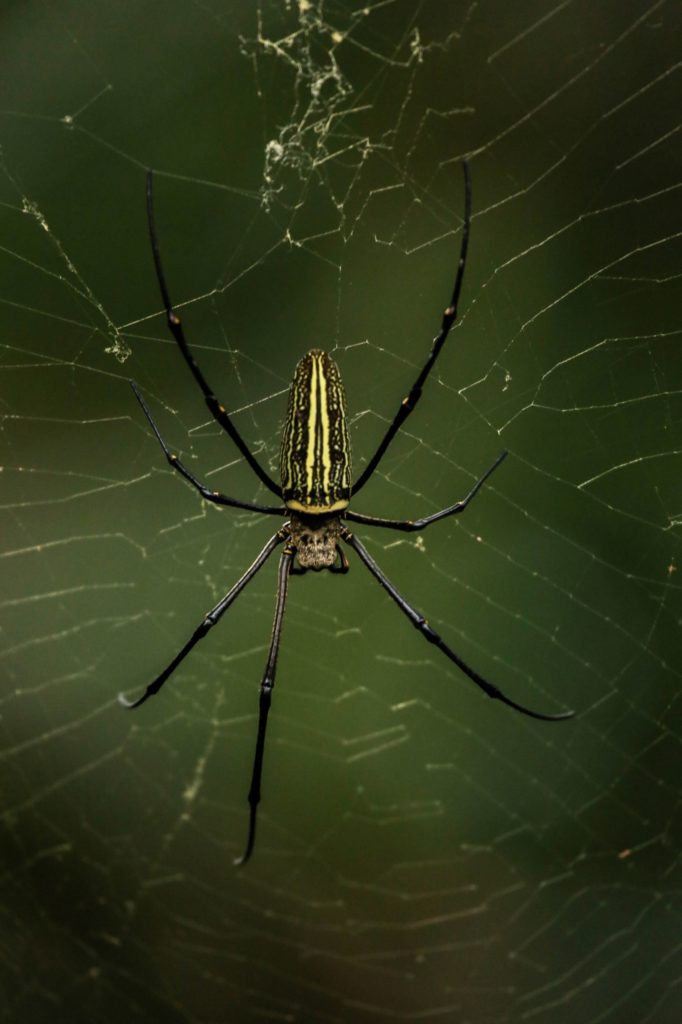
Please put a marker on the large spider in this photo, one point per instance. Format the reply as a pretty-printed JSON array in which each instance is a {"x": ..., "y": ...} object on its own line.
[{"x": 316, "y": 490}]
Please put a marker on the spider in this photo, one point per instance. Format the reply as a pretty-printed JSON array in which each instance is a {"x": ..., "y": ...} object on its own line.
[{"x": 316, "y": 490}]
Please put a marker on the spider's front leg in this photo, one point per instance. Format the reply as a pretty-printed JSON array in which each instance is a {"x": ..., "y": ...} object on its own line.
[
  {"x": 409, "y": 402},
  {"x": 217, "y": 410}
]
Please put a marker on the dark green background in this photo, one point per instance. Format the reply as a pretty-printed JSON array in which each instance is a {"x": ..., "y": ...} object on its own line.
[{"x": 423, "y": 853}]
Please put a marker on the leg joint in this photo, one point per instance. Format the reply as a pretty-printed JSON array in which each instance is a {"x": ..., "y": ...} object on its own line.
[{"x": 427, "y": 631}]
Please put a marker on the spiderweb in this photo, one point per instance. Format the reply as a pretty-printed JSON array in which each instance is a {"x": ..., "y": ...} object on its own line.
[{"x": 423, "y": 853}]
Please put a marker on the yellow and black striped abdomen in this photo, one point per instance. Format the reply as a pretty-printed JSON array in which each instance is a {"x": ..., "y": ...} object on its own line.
[{"x": 315, "y": 459}]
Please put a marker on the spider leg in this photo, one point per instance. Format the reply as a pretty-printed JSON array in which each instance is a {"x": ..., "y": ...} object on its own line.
[
  {"x": 449, "y": 316},
  {"x": 266, "y": 688},
  {"x": 204, "y": 491},
  {"x": 208, "y": 622},
  {"x": 411, "y": 525},
  {"x": 343, "y": 565},
  {"x": 430, "y": 634},
  {"x": 217, "y": 410}
]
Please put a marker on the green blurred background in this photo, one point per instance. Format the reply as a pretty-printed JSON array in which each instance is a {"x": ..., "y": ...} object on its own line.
[{"x": 423, "y": 853}]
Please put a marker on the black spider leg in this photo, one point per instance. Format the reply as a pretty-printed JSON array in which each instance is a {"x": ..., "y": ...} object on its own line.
[
  {"x": 266, "y": 688},
  {"x": 449, "y": 316},
  {"x": 430, "y": 634},
  {"x": 209, "y": 621},
  {"x": 217, "y": 410},
  {"x": 204, "y": 491},
  {"x": 410, "y": 525}
]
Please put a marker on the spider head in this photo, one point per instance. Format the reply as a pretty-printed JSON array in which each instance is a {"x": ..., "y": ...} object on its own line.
[{"x": 315, "y": 542}]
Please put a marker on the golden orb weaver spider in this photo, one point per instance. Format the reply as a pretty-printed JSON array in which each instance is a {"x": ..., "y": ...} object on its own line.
[{"x": 316, "y": 489}]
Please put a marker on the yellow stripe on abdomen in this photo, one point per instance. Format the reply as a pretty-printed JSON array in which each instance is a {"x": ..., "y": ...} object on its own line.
[{"x": 315, "y": 457}]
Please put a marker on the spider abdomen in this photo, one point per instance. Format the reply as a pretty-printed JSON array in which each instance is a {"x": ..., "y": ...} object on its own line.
[{"x": 315, "y": 457}]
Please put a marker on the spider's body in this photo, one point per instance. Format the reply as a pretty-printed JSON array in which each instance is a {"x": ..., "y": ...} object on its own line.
[
  {"x": 315, "y": 461},
  {"x": 315, "y": 458},
  {"x": 316, "y": 490}
]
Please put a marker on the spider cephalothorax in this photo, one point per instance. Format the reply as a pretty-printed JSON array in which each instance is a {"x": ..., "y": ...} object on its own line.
[
  {"x": 316, "y": 545},
  {"x": 315, "y": 490}
]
